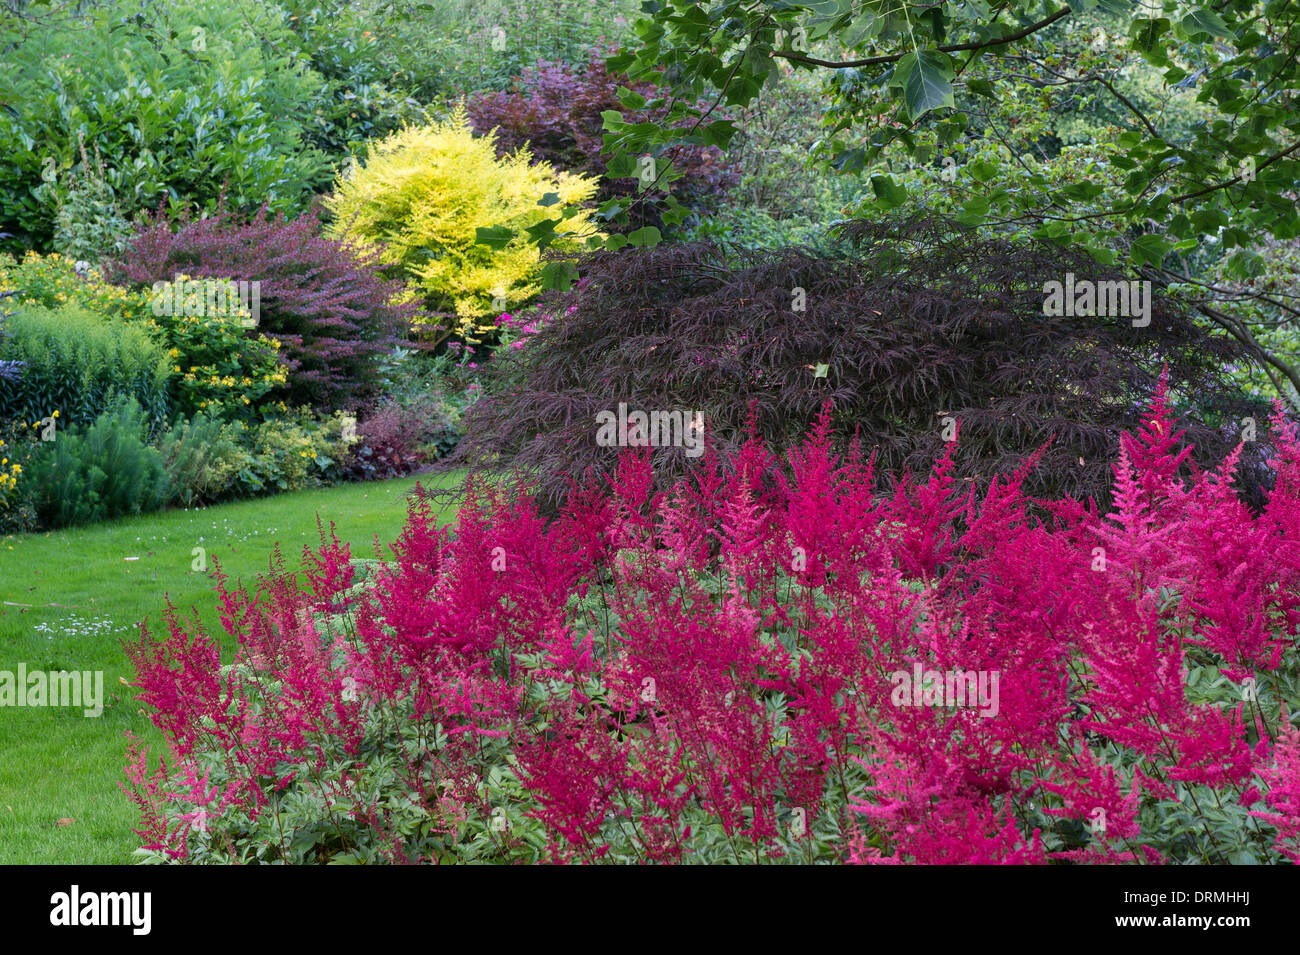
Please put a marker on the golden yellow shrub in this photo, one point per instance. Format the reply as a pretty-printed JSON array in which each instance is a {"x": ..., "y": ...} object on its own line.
[{"x": 422, "y": 193}]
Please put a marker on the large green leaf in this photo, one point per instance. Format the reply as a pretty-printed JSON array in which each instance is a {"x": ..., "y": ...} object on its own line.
[
  {"x": 1204, "y": 20},
  {"x": 927, "y": 81},
  {"x": 889, "y": 193},
  {"x": 495, "y": 237}
]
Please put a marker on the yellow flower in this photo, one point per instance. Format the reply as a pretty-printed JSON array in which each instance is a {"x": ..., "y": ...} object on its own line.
[{"x": 56, "y": 414}]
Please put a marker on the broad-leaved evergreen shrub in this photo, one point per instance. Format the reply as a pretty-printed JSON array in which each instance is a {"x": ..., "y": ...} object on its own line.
[{"x": 185, "y": 101}]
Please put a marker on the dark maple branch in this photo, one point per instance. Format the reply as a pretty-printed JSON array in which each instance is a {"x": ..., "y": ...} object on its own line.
[
  {"x": 952, "y": 48},
  {"x": 1235, "y": 179}
]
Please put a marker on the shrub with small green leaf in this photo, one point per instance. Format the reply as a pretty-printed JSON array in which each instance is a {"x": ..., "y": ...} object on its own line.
[
  {"x": 295, "y": 450},
  {"x": 423, "y": 196},
  {"x": 76, "y": 361},
  {"x": 202, "y": 457},
  {"x": 104, "y": 471}
]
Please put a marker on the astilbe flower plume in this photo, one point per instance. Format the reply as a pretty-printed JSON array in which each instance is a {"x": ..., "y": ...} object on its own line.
[{"x": 661, "y": 675}]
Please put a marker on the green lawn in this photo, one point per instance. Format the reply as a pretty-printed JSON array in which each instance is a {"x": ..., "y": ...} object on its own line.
[{"x": 70, "y": 597}]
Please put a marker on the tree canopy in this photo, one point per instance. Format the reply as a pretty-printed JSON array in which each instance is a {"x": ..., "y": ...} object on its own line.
[{"x": 1194, "y": 156}]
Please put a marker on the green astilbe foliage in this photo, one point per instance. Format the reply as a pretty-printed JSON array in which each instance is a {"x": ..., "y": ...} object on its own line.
[
  {"x": 104, "y": 471},
  {"x": 75, "y": 362},
  {"x": 916, "y": 324}
]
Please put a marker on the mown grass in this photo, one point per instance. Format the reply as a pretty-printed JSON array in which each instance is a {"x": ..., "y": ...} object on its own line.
[{"x": 69, "y": 598}]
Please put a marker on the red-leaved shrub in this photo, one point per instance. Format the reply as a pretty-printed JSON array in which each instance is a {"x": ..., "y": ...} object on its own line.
[
  {"x": 556, "y": 109},
  {"x": 395, "y": 439},
  {"x": 324, "y": 300},
  {"x": 758, "y": 663}
]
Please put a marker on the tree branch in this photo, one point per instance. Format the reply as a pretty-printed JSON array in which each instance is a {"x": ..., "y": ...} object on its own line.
[{"x": 954, "y": 48}]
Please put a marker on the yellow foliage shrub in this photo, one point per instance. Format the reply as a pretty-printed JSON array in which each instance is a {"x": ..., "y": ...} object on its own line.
[{"x": 422, "y": 193}]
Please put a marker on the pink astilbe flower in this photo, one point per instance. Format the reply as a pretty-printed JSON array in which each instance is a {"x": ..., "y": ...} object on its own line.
[
  {"x": 1282, "y": 777},
  {"x": 653, "y": 665},
  {"x": 932, "y": 820}
]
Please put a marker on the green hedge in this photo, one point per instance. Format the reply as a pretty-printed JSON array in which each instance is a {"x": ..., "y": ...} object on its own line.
[{"x": 123, "y": 104}]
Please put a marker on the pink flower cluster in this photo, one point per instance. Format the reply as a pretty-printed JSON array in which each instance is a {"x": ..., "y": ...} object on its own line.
[
  {"x": 726, "y": 654},
  {"x": 518, "y": 330}
]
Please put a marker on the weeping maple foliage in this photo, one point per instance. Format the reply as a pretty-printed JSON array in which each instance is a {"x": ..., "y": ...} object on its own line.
[
  {"x": 917, "y": 328},
  {"x": 719, "y": 669}
]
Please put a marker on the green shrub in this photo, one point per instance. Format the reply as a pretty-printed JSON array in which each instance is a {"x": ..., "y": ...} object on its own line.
[
  {"x": 76, "y": 362},
  {"x": 772, "y": 152},
  {"x": 218, "y": 367},
  {"x": 202, "y": 457},
  {"x": 294, "y": 451},
  {"x": 422, "y": 195},
  {"x": 105, "y": 471},
  {"x": 184, "y": 99},
  {"x": 90, "y": 222},
  {"x": 378, "y": 63},
  {"x": 215, "y": 366},
  {"x": 371, "y": 50},
  {"x": 54, "y": 280},
  {"x": 742, "y": 228}
]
